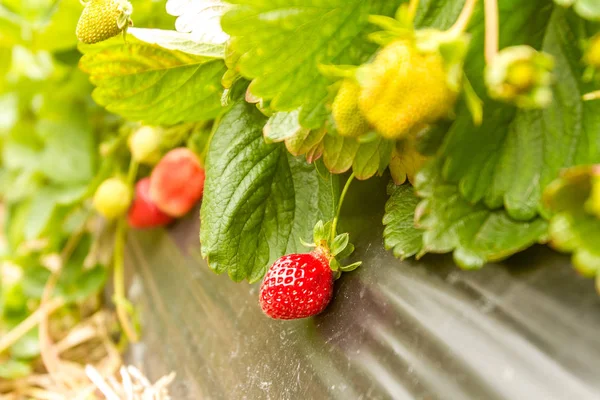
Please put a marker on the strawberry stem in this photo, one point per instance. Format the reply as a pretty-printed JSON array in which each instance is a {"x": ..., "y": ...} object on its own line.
[
  {"x": 132, "y": 173},
  {"x": 463, "y": 19},
  {"x": 491, "y": 29},
  {"x": 412, "y": 9},
  {"x": 119, "y": 282},
  {"x": 339, "y": 208},
  {"x": 118, "y": 266}
]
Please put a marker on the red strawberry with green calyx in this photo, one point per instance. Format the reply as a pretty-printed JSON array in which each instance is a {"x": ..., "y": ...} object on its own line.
[
  {"x": 301, "y": 285},
  {"x": 144, "y": 213}
]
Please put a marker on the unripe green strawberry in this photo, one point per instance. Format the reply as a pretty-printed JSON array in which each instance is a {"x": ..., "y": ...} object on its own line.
[
  {"x": 593, "y": 202},
  {"x": 404, "y": 89},
  {"x": 592, "y": 52},
  {"x": 144, "y": 145},
  {"x": 521, "y": 75},
  {"x": 347, "y": 115},
  {"x": 112, "y": 198},
  {"x": 103, "y": 19}
]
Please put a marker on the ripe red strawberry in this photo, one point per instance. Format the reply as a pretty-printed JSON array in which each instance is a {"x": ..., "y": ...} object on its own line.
[
  {"x": 143, "y": 212},
  {"x": 177, "y": 182},
  {"x": 297, "y": 286}
]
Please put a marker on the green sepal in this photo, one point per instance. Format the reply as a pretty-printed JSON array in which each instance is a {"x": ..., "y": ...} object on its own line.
[
  {"x": 382, "y": 38},
  {"x": 337, "y": 71},
  {"x": 404, "y": 15},
  {"x": 339, "y": 243},
  {"x": 368, "y": 137},
  {"x": 351, "y": 267},
  {"x": 122, "y": 20},
  {"x": 327, "y": 230},
  {"x": 229, "y": 78},
  {"x": 348, "y": 250},
  {"x": 265, "y": 108},
  {"x": 307, "y": 244},
  {"x": 473, "y": 102},
  {"x": 319, "y": 232},
  {"x": 334, "y": 264},
  {"x": 392, "y": 25},
  {"x": 453, "y": 53},
  {"x": 337, "y": 274}
]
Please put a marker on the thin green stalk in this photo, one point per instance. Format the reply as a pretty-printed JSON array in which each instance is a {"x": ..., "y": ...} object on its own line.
[
  {"x": 491, "y": 30},
  {"x": 412, "y": 9},
  {"x": 465, "y": 16},
  {"x": 132, "y": 173},
  {"x": 339, "y": 209},
  {"x": 119, "y": 266},
  {"x": 119, "y": 282}
]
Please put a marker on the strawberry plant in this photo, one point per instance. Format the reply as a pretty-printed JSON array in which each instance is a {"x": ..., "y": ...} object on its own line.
[{"x": 481, "y": 115}]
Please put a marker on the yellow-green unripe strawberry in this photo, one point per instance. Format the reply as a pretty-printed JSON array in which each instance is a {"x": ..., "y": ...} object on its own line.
[
  {"x": 593, "y": 202},
  {"x": 592, "y": 52},
  {"x": 521, "y": 75},
  {"x": 404, "y": 90},
  {"x": 112, "y": 198},
  {"x": 346, "y": 114},
  {"x": 103, "y": 19},
  {"x": 144, "y": 145}
]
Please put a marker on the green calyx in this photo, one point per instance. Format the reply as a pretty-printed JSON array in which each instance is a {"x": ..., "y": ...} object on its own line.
[
  {"x": 333, "y": 247},
  {"x": 573, "y": 200},
  {"x": 521, "y": 75}
]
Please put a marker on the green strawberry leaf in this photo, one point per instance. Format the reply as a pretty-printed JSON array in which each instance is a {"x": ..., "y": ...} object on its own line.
[
  {"x": 573, "y": 227},
  {"x": 259, "y": 201},
  {"x": 473, "y": 232},
  {"x": 77, "y": 282},
  {"x": 82, "y": 283},
  {"x": 180, "y": 41},
  {"x": 45, "y": 203},
  {"x": 146, "y": 82},
  {"x": 339, "y": 153},
  {"x": 372, "y": 158},
  {"x": 306, "y": 142},
  {"x": 366, "y": 159},
  {"x": 282, "y": 45},
  {"x": 514, "y": 154},
  {"x": 282, "y": 126},
  {"x": 400, "y": 234},
  {"x": 200, "y": 18},
  {"x": 69, "y": 154}
]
